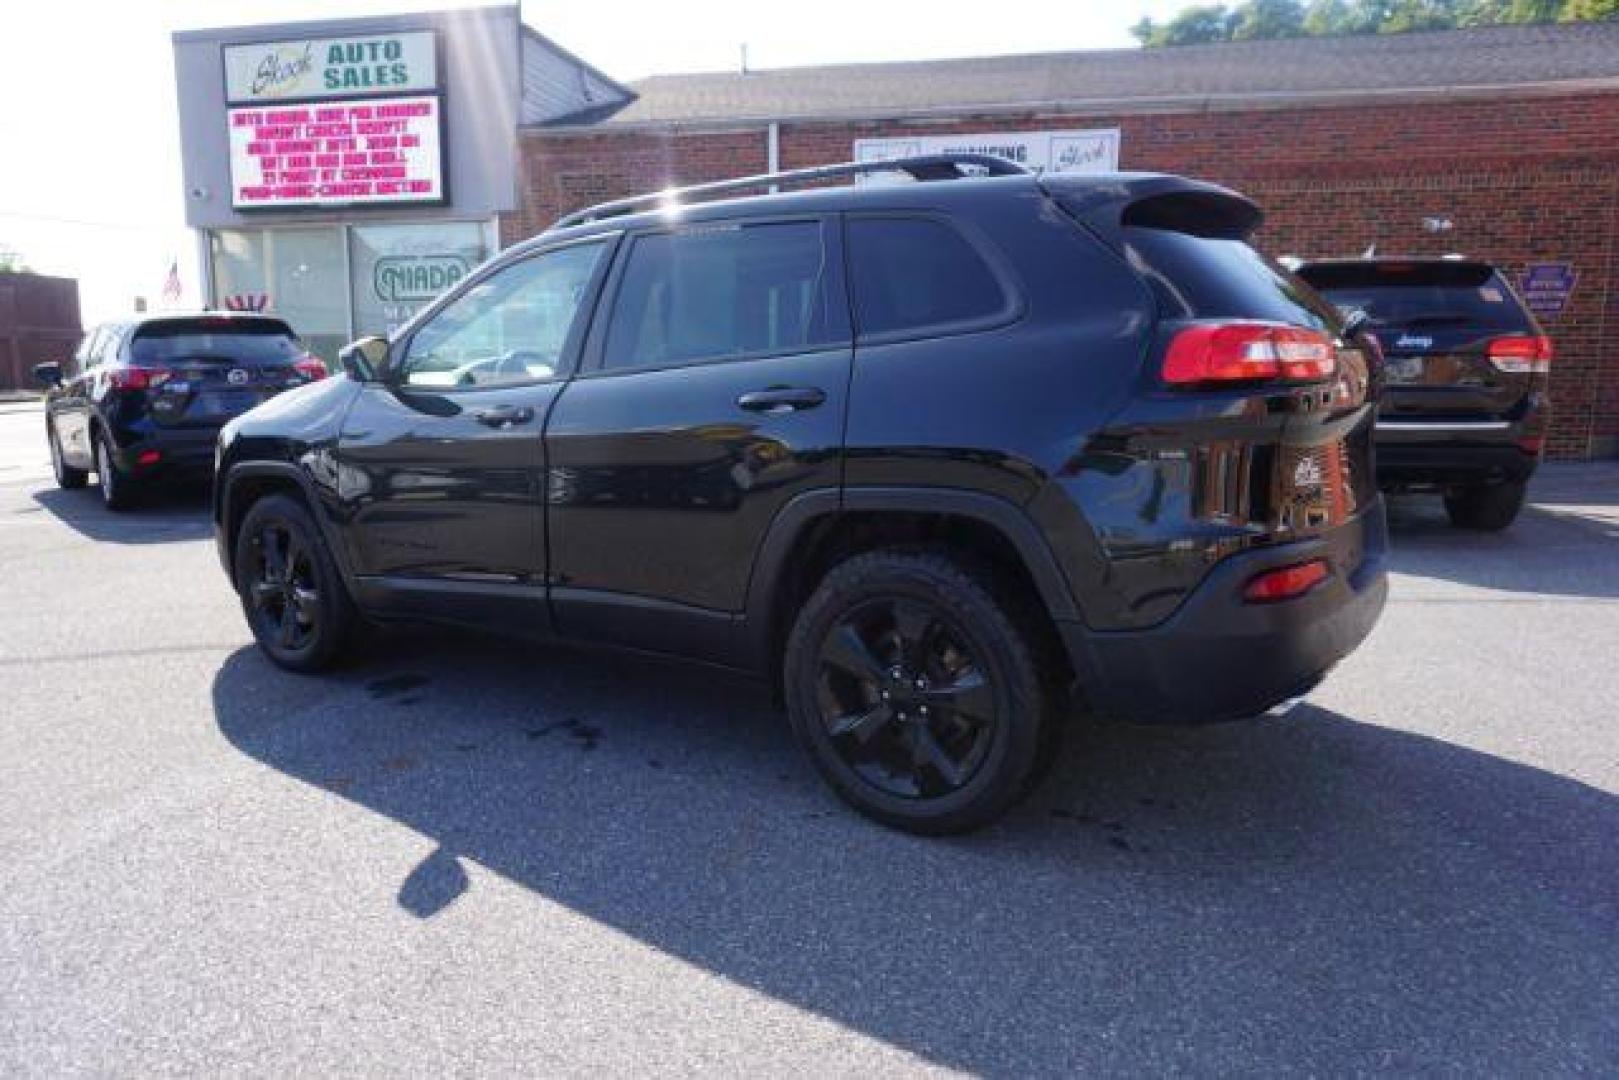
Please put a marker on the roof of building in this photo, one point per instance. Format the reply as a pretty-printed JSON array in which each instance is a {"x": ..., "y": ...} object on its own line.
[{"x": 1254, "y": 72}]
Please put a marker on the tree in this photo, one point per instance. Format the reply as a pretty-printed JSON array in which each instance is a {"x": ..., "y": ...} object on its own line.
[
  {"x": 1404, "y": 15},
  {"x": 1261, "y": 19},
  {"x": 1256, "y": 19},
  {"x": 1196, "y": 25},
  {"x": 1334, "y": 18},
  {"x": 1590, "y": 10}
]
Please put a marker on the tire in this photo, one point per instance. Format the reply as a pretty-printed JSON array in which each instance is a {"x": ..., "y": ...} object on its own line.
[
  {"x": 890, "y": 633},
  {"x": 117, "y": 489},
  {"x": 1489, "y": 508},
  {"x": 294, "y": 599},
  {"x": 67, "y": 477}
]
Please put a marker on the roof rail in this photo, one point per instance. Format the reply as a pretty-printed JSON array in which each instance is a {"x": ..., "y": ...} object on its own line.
[{"x": 925, "y": 167}]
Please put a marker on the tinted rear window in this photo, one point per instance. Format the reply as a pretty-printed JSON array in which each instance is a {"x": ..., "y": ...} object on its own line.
[
  {"x": 720, "y": 291},
  {"x": 1206, "y": 278},
  {"x": 1421, "y": 294},
  {"x": 913, "y": 274},
  {"x": 246, "y": 342}
]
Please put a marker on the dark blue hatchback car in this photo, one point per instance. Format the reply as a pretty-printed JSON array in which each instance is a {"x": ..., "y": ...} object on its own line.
[{"x": 144, "y": 399}]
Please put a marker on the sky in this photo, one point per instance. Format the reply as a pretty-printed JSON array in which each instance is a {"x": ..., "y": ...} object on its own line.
[{"x": 91, "y": 186}]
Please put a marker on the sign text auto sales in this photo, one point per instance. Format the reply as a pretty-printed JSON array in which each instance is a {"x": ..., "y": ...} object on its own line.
[{"x": 338, "y": 152}]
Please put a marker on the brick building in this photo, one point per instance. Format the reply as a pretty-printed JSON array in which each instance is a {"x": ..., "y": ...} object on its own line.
[
  {"x": 1501, "y": 143},
  {"x": 39, "y": 322}
]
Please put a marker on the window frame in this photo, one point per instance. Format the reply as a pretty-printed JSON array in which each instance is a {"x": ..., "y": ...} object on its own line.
[
  {"x": 834, "y": 294},
  {"x": 1014, "y": 303},
  {"x": 567, "y": 360}
]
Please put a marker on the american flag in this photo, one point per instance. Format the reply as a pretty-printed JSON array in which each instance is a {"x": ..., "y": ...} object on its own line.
[{"x": 171, "y": 284}]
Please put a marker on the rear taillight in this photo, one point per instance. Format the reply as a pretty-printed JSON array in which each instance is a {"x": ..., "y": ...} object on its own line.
[
  {"x": 137, "y": 378},
  {"x": 1521, "y": 354},
  {"x": 311, "y": 368},
  {"x": 1286, "y": 583},
  {"x": 1244, "y": 351}
]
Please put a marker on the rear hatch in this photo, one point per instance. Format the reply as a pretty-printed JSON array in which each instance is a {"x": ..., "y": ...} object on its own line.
[
  {"x": 1253, "y": 421},
  {"x": 204, "y": 370},
  {"x": 1285, "y": 451},
  {"x": 1460, "y": 344}
]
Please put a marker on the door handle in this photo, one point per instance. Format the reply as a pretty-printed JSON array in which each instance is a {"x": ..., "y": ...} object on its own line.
[
  {"x": 781, "y": 400},
  {"x": 504, "y": 416}
]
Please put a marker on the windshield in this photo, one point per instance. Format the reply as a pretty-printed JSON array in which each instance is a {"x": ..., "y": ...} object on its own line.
[
  {"x": 1414, "y": 295},
  {"x": 264, "y": 342}
]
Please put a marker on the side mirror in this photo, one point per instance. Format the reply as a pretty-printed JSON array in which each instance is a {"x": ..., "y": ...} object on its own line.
[
  {"x": 50, "y": 373},
  {"x": 365, "y": 360}
]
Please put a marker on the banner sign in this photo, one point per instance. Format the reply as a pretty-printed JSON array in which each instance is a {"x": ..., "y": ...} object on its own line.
[
  {"x": 331, "y": 68},
  {"x": 1547, "y": 287},
  {"x": 1094, "y": 151},
  {"x": 336, "y": 153}
]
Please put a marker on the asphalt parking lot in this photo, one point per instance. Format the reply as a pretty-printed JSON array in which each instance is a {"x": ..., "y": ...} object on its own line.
[{"x": 462, "y": 854}]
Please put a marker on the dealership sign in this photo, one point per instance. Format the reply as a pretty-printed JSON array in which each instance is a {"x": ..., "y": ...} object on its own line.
[
  {"x": 406, "y": 279},
  {"x": 331, "y": 67},
  {"x": 336, "y": 153},
  {"x": 1093, "y": 151}
]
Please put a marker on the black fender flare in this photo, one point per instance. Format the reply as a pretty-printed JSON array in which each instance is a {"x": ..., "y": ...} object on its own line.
[
  {"x": 227, "y": 514},
  {"x": 803, "y": 510}
]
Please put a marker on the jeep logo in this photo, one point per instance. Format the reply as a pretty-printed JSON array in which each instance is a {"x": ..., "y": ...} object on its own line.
[
  {"x": 403, "y": 279},
  {"x": 1413, "y": 341}
]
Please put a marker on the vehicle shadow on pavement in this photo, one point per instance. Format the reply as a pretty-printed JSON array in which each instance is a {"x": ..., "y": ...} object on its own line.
[
  {"x": 1314, "y": 894},
  {"x": 163, "y": 515}
]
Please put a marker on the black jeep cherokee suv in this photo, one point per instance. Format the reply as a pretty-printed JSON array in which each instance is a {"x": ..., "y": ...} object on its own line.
[
  {"x": 937, "y": 458},
  {"x": 1464, "y": 408}
]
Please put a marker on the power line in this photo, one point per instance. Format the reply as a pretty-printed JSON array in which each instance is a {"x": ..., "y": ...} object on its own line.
[{"x": 87, "y": 222}]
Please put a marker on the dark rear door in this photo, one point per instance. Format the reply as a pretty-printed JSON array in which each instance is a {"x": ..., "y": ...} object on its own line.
[
  {"x": 215, "y": 366},
  {"x": 1437, "y": 321},
  {"x": 713, "y": 393}
]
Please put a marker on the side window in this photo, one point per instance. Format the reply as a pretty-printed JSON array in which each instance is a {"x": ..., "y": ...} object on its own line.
[
  {"x": 715, "y": 292},
  {"x": 915, "y": 274},
  {"x": 511, "y": 327}
]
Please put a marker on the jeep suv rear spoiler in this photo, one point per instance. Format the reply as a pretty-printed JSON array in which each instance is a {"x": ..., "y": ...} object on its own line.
[{"x": 1109, "y": 204}]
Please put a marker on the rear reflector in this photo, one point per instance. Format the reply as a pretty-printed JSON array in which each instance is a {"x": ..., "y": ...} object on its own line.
[
  {"x": 1243, "y": 351},
  {"x": 148, "y": 457},
  {"x": 1286, "y": 583},
  {"x": 1521, "y": 354}
]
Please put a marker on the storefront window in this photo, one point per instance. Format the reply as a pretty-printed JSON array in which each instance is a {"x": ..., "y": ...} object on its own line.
[
  {"x": 295, "y": 273},
  {"x": 396, "y": 269}
]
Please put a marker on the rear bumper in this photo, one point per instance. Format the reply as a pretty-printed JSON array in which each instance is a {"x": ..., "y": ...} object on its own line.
[
  {"x": 1442, "y": 453},
  {"x": 1222, "y": 658},
  {"x": 180, "y": 453}
]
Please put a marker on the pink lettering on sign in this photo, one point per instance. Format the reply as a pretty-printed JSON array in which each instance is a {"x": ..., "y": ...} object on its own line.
[{"x": 336, "y": 153}]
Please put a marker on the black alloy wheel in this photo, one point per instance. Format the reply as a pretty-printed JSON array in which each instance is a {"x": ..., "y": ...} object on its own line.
[
  {"x": 283, "y": 593},
  {"x": 903, "y": 700},
  {"x": 922, "y": 689},
  {"x": 294, "y": 600}
]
